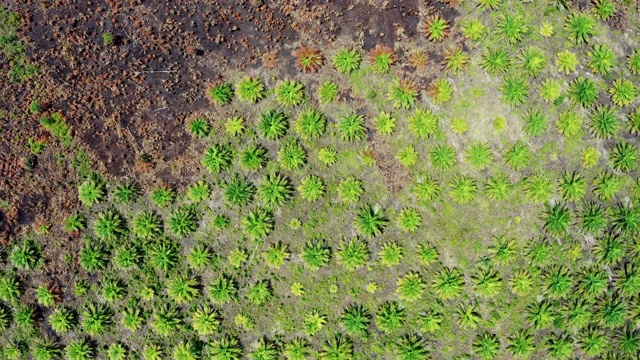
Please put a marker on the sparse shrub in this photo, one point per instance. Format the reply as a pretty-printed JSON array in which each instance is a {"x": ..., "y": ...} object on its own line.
[
  {"x": 308, "y": 59},
  {"x": 116, "y": 351},
  {"x": 250, "y": 89},
  {"x": 258, "y": 223},
  {"x": 314, "y": 322},
  {"x": 199, "y": 127},
  {"x": 328, "y": 91},
  {"x": 473, "y": 29},
  {"x": 486, "y": 281},
  {"x": 311, "y": 188},
  {"x": 353, "y": 254},
  {"x": 486, "y": 345},
  {"x": 426, "y": 188},
  {"x": 551, "y": 90},
  {"x": 289, "y": 93},
  {"x": 347, "y": 61},
  {"x": 381, "y": 58},
  {"x": 292, "y": 156},
  {"x": 521, "y": 343},
  {"x": 566, "y": 61},
  {"x": 518, "y": 156},
  {"x": 95, "y": 319},
  {"x": 390, "y": 317},
  {"x": 26, "y": 255},
  {"x": 479, "y": 155},
  {"x": 297, "y": 349},
  {"x": 409, "y": 219},
  {"x": 512, "y": 26},
  {"x": 580, "y": 27},
  {"x": 448, "y": 283},
  {"x": 253, "y": 157},
  {"x": 607, "y": 185},
  {"x": 423, "y": 123},
  {"x": 558, "y": 281},
  {"x": 538, "y": 188},
  {"x": 496, "y": 61},
  {"x": 622, "y": 92},
  {"x": 356, "y": 319},
  {"x": 220, "y": 94},
  {"x": 238, "y": 190},
  {"x": 223, "y": 290},
  {"x": 454, "y": 60},
  {"x": 463, "y": 189},
  {"x": 532, "y": 61},
  {"x": 370, "y": 221},
  {"x": 602, "y": 59},
  {"x": 163, "y": 196},
  {"x": 515, "y": 90},
  {"x": 521, "y": 282},
  {"x": 351, "y": 127},
  {"x": 113, "y": 290},
  {"x": 440, "y": 91},
  {"x": 199, "y": 191},
  {"x": 573, "y": 186},
  {"x": 217, "y": 158},
  {"x": 315, "y": 254},
  {"x": 132, "y": 319},
  {"x": 91, "y": 192},
  {"x": 403, "y": 93},
  {"x": 410, "y": 287},
  {"x": 225, "y": 348},
  {"x": 468, "y": 315},
  {"x": 260, "y": 292},
  {"x": 234, "y": 126},
  {"x": 633, "y": 62},
  {"x": 93, "y": 257},
  {"x": 604, "y": 9},
  {"x": 162, "y": 254},
  {"x": 624, "y": 157},
  {"x": 274, "y": 190},
  {"x": 350, "y": 190},
  {"x": 146, "y": 225},
  {"x": 541, "y": 314},
  {"x": 310, "y": 124},
  {"x": 183, "y": 221},
  {"x": 407, "y": 156},
  {"x": 327, "y": 156},
  {"x": 592, "y": 218},
  {"x": 497, "y": 187},
  {"x": 443, "y": 157},
  {"x": 79, "y": 350},
  {"x": 436, "y": 28},
  {"x": 592, "y": 340},
  {"x": 165, "y": 320},
  {"x": 556, "y": 219},
  {"x": 411, "y": 347},
  {"x": 584, "y": 91}
]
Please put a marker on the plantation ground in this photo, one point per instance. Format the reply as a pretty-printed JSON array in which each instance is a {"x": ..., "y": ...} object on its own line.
[{"x": 497, "y": 218}]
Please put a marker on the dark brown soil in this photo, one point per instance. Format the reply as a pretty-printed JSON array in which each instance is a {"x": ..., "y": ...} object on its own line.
[{"x": 130, "y": 98}]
